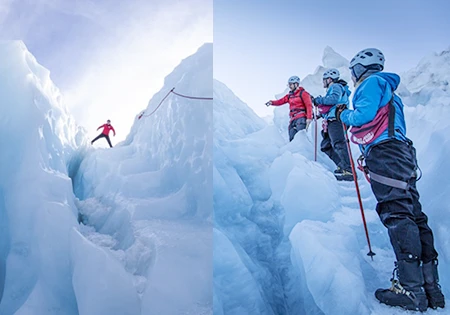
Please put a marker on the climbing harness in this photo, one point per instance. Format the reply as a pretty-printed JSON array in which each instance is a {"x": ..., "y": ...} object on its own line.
[
  {"x": 168, "y": 93},
  {"x": 363, "y": 168},
  {"x": 396, "y": 183}
]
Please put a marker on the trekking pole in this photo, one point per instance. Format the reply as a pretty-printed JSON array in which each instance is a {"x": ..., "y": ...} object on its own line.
[
  {"x": 315, "y": 134},
  {"x": 370, "y": 253}
]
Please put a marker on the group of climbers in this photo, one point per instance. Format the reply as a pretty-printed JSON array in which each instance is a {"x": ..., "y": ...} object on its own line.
[
  {"x": 301, "y": 114},
  {"x": 377, "y": 125}
]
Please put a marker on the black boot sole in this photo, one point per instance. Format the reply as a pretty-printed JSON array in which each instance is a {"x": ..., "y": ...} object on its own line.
[
  {"x": 346, "y": 178},
  {"x": 435, "y": 299},
  {"x": 401, "y": 301},
  {"x": 436, "y": 303}
]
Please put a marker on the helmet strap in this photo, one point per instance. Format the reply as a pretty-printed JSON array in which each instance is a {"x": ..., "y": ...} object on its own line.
[{"x": 295, "y": 84}]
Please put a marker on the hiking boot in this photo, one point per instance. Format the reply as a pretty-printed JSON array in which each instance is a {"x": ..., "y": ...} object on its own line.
[
  {"x": 338, "y": 170},
  {"x": 399, "y": 297},
  {"x": 407, "y": 291},
  {"x": 432, "y": 288},
  {"x": 343, "y": 175}
]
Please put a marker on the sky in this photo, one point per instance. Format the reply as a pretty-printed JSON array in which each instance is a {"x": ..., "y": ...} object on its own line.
[
  {"x": 108, "y": 57},
  {"x": 258, "y": 45}
]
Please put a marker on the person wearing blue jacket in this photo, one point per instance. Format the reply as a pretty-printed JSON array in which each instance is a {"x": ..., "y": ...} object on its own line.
[
  {"x": 333, "y": 139},
  {"x": 379, "y": 128}
]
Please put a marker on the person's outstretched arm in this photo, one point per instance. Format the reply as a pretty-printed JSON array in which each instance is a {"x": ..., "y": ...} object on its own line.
[
  {"x": 281, "y": 101},
  {"x": 100, "y": 127},
  {"x": 114, "y": 132}
]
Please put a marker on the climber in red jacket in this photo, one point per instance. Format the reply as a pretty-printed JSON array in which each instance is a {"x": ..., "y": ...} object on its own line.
[
  {"x": 300, "y": 106},
  {"x": 105, "y": 133}
]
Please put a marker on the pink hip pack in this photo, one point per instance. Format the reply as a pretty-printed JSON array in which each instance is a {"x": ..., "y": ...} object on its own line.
[{"x": 367, "y": 133}]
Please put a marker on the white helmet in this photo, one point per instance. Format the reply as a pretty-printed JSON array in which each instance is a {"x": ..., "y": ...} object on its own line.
[
  {"x": 367, "y": 57},
  {"x": 332, "y": 74},
  {"x": 294, "y": 79}
]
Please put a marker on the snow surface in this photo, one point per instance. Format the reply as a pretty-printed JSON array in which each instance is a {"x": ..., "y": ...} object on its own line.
[
  {"x": 145, "y": 242},
  {"x": 290, "y": 232}
]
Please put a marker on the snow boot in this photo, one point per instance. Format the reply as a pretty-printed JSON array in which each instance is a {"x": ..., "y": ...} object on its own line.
[
  {"x": 341, "y": 174},
  {"x": 432, "y": 288},
  {"x": 406, "y": 292}
]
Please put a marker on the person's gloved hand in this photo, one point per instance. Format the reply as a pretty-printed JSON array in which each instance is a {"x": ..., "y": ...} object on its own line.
[
  {"x": 317, "y": 115},
  {"x": 269, "y": 103},
  {"x": 308, "y": 122},
  {"x": 315, "y": 100},
  {"x": 339, "y": 110}
]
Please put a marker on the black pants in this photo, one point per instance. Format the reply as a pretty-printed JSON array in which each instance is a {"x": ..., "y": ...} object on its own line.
[
  {"x": 295, "y": 126},
  {"x": 333, "y": 144},
  {"x": 102, "y": 136},
  {"x": 399, "y": 209}
]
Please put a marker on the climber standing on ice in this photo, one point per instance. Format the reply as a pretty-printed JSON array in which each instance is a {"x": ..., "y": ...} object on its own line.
[
  {"x": 105, "y": 133},
  {"x": 300, "y": 106},
  {"x": 379, "y": 128},
  {"x": 333, "y": 142}
]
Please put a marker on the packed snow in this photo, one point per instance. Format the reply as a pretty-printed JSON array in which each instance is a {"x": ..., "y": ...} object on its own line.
[
  {"x": 289, "y": 231},
  {"x": 86, "y": 230}
]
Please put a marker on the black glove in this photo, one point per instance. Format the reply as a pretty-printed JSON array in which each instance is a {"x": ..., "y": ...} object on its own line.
[
  {"x": 315, "y": 101},
  {"x": 318, "y": 115},
  {"x": 339, "y": 110}
]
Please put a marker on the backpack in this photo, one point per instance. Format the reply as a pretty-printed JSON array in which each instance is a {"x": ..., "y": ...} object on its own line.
[
  {"x": 301, "y": 92},
  {"x": 342, "y": 82}
]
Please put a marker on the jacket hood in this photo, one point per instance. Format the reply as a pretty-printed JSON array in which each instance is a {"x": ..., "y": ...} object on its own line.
[
  {"x": 392, "y": 78},
  {"x": 347, "y": 91},
  {"x": 344, "y": 86}
]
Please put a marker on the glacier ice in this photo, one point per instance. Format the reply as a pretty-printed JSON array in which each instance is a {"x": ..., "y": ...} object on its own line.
[{"x": 146, "y": 243}]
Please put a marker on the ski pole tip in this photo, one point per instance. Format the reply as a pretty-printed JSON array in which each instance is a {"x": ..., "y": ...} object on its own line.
[{"x": 371, "y": 254}]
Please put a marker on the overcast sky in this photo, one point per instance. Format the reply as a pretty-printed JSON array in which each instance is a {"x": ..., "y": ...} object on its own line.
[{"x": 258, "y": 45}]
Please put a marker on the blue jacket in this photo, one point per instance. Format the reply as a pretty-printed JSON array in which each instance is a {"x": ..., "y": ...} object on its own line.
[
  {"x": 373, "y": 93},
  {"x": 336, "y": 94}
]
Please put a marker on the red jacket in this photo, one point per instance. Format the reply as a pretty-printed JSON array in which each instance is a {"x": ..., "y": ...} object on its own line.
[
  {"x": 299, "y": 107},
  {"x": 106, "y": 129}
]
